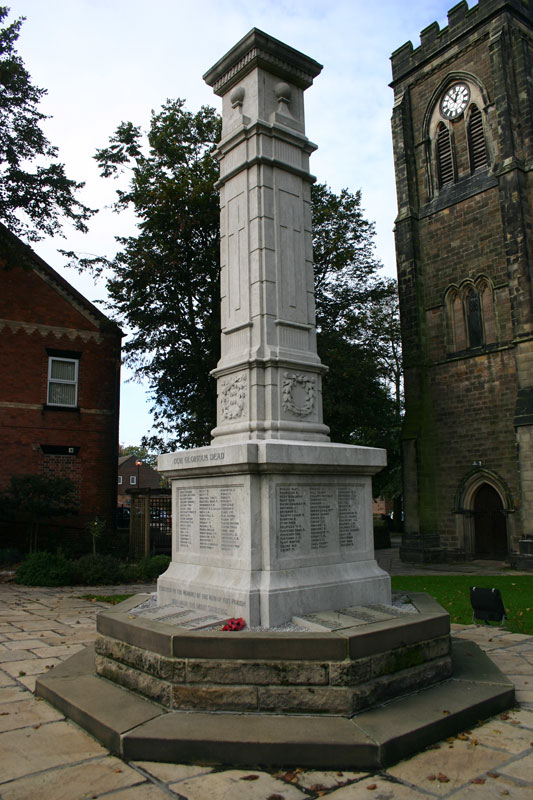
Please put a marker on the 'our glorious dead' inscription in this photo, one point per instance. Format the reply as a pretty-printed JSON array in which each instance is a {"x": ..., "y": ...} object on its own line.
[
  {"x": 316, "y": 518},
  {"x": 208, "y": 519}
]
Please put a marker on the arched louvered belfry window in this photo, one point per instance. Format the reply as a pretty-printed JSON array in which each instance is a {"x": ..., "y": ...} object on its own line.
[
  {"x": 473, "y": 319},
  {"x": 476, "y": 140},
  {"x": 445, "y": 166}
]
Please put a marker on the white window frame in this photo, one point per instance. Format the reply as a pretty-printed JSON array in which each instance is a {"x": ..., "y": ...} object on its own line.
[
  {"x": 52, "y": 381},
  {"x": 120, "y": 480},
  {"x": 133, "y": 480}
]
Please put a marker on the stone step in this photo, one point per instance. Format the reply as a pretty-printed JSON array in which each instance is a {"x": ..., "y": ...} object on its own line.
[{"x": 135, "y": 728}]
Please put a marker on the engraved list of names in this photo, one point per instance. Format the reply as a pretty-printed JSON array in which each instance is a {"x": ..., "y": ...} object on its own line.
[
  {"x": 313, "y": 519},
  {"x": 208, "y": 519}
]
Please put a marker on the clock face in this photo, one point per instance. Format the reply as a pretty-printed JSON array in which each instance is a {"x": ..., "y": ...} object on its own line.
[{"x": 455, "y": 101}]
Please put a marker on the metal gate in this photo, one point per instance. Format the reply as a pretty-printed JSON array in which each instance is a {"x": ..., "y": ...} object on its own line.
[{"x": 150, "y": 522}]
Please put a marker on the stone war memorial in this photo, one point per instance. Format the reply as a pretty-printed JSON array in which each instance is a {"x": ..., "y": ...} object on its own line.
[
  {"x": 272, "y": 523},
  {"x": 271, "y": 520}
]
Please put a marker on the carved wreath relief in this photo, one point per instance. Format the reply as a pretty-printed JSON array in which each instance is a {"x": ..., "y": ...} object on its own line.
[
  {"x": 233, "y": 397},
  {"x": 298, "y": 393}
]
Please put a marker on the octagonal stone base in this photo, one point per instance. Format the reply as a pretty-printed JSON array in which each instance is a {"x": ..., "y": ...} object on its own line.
[{"x": 155, "y": 692}]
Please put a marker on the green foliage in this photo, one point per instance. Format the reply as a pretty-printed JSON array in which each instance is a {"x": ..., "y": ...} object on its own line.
[
  {"x": 150, "y": 568},
  {"x": 44, "y": 569},
  {"x": 96, "y": 570},
  {"x": 48, "y": 569},
  {"x": 165, "y": 286},
  {"x": 96, "y": 529},
  {"x": 453, "y": 594},
  {"x": 33, "y": 499},
  {"x": 165, "y": 282},
  {"x": 140, "y": 452},
  {"x": 112, "y": 599},
  {"x": 31, "y": 201}
]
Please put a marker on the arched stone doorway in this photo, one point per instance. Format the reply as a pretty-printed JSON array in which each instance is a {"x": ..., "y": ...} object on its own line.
[
  {"x": 484, "y": 515},
  {"x": 490, "y": 524}
]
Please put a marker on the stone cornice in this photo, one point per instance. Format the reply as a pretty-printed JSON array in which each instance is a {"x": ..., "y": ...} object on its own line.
[{"x": 258, "y": 49}]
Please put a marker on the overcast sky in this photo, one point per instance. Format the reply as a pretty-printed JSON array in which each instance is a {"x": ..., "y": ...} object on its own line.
[{"x": 105, "y": 61}]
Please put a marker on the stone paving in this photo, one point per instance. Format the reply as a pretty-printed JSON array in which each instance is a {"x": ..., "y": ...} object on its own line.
[{"x": 40, "y": 751}]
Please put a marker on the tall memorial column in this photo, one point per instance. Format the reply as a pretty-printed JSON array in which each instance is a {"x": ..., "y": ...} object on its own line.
[{"x": 271, "y": 520}]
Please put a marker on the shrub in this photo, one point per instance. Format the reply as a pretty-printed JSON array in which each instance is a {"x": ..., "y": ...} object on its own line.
[
  {"x": 44, "y": 569},
  {"x": 151, "y": 568},
  {"x": 96, "y": 569},
  {"x": 130, "y": 573}
]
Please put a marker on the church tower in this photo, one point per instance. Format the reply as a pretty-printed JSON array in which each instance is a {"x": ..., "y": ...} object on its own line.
[{"x": 463, "y": 145}]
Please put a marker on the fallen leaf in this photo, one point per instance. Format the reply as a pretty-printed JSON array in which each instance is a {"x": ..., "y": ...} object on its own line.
[
  {"x": 462, "y": 736},
  {"x": 291, "y": 776},
  {"x": 445, "y": 712},
  {"x": 432, "y": 777},
  {"x": 505, "y": 791},
  {"x": 505, "y": 715},
  {"x": 450, "y": 739},
  {"x": 442, "y": 778},
  {"x": 117, "y": 770},
  {"x": 250, "y": 778},
  {"x": 473, "y": 742},
  {"x": 372, "y": 786},
  {"x": 493, "y": 774},
  {"x": 477, "y": 780},
  {"x": 318, "y": 787},
  {"x": 4, "y": 713}
]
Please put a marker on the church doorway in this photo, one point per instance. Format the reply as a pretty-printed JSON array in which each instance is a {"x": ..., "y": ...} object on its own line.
[{"x": 490, "y": 523}]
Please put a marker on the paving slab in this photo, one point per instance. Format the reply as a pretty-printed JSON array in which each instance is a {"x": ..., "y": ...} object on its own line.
[
  {"x": 172, "y": 773},
  {"x": 30, "y": 750},
  {"x": 521, "y": 768},
  {"x": 80, "y": 781},
  {"x": 494, "y": 789},
  {"x": 244, "y": 785},
  {"x": 23, "y": 713},
  {"x": 377, "y": 788},
  {"x": 450, "y": 766}
]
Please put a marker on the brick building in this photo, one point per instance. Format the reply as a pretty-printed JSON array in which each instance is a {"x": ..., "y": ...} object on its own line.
[
  {"x": 134, "y": 475},
  {"x": 59, "y": 388},
  {"x": 463, "y": 144}
]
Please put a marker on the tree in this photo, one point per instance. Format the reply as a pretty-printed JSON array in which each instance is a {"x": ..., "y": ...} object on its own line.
[
  {"x": 165, "y": 281},
  {"x": 32, "y": 202},
  {"x": 140, "y": 452},
  {"x": 165, "y": 285},
  {"x": 33, "y": 499},
  {"x": 358, "y": 332}
]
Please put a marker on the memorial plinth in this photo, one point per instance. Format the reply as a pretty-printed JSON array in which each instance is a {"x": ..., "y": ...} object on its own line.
[{"x": 272, "y": 520}]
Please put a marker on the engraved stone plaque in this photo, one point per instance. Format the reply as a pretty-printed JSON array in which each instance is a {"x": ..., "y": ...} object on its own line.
[
  {"x": 209, "y": 519},
  {"x": 316, "y": 519}
]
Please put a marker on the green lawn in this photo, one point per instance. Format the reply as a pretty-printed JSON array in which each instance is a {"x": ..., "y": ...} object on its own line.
[
  {"x": 106, "y": 598},
  {"x": 453, "y": 594}
]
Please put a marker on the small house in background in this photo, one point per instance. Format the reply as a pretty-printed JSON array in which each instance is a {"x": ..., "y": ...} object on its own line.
[
  {"x": 59, "y": 390},
  {"x": 133, "y": 473}
]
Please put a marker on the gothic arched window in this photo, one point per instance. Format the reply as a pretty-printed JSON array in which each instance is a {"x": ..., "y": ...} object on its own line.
[
  {"x": 476, "y": 139},
  {"x": 445, "y": 165},
  {"x": 474, "y": 321}
]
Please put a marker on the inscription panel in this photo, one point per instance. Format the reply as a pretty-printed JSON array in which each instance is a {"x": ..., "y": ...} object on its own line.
[
  {"x": 317, "y": 519},
  {"x": 209, "y": 519}
]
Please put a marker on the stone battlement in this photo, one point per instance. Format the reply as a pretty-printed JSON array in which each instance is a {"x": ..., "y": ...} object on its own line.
[{"x": 461, "y": 20}]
